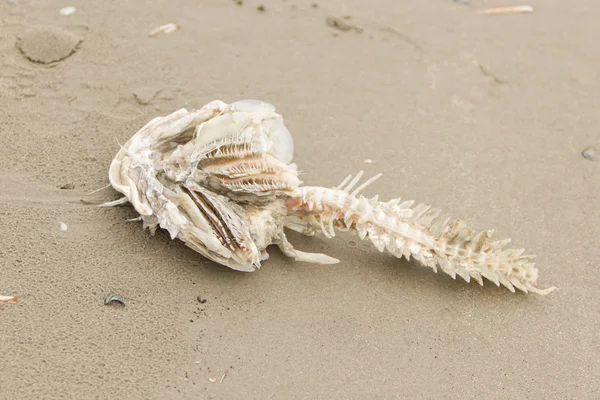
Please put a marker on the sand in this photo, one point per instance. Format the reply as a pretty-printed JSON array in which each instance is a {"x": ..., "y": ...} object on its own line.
[{"x": 484, "y": 116}]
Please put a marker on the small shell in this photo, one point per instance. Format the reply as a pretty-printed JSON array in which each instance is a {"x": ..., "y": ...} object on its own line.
[
  {"x": 66, "y": 11},
  {"x": 111, "y": 299},
  {"x": 63, "y": 227},
  {"x": 8, "y": 299},
  {"x": 589, "y": 153},
  {"x": 167, "y": 28}
]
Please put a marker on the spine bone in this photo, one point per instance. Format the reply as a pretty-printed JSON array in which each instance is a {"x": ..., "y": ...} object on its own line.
[{"x": 420, "y": 232}]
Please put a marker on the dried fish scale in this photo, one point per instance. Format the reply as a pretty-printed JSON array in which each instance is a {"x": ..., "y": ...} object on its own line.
[{"x": 221, "y": 179}]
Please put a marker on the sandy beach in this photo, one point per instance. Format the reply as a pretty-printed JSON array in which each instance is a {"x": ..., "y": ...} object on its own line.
[{"x": 493, "y": 118}]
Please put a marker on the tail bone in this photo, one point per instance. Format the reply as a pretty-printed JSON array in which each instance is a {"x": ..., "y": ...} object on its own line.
[{"x": 421, "y": 232}]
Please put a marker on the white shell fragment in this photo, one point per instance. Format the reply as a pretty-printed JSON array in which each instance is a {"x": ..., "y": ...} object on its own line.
[
  {"x": 113, "y": 299},
  {"x": 506, "y": 10},
  {"x": 66, "y": 11},
  {"x": 167, "y": 28},
  {"x": 8, "y": 299},
  {"x": 221, "y": 179},
  {"x": 589, "y": 153},
  {"x": 63, "y": 227}
]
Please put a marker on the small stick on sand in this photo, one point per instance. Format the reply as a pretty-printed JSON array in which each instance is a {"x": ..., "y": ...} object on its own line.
[
  {"x": 97, "y": 190},
  {"x": 224, "y": 375},
  {"x": 506, "y": 10}
]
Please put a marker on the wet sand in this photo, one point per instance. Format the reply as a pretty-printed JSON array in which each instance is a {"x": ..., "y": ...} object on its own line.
[{"x": 484, "y": 116}]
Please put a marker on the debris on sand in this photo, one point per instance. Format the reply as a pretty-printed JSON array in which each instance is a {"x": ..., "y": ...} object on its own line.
[
  {"x": 66, "y": 11},
  {"x": 506, "y": 10},
  {"x": 8, "y": 299},
  {"x": 589, "y": 153},
  {"x": 341, "y": 23},
  {"x": 47, "y": 44},
  {"x": 63, "y": 227},
  {"x": 167, "y": 28},
  {"x": 224, "y": 375},
  {"x": 111, "y": 299}
]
